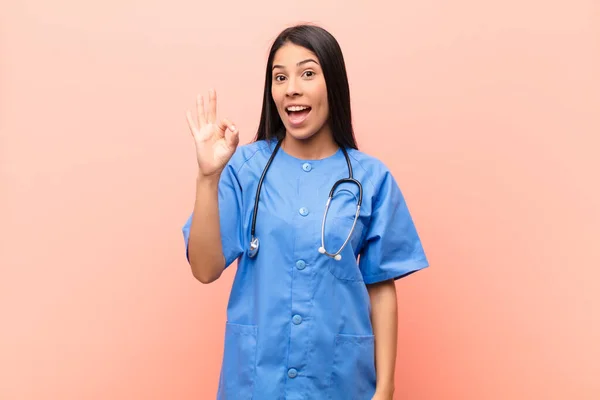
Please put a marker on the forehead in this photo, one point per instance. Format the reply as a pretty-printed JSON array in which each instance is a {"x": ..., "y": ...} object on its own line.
[{"x": 290, "y": 54}]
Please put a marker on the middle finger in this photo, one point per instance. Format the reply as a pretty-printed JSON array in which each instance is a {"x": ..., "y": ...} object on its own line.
[{"x": 212, "y": 106}]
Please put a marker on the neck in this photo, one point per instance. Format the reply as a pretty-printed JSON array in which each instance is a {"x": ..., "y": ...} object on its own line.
[{"x": 318, "y": 146}]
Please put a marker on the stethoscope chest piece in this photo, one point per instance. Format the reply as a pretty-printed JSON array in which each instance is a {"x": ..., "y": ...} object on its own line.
[{"x": 253, "y": 249}]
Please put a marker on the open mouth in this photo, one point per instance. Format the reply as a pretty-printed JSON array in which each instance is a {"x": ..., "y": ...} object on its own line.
[{"x": 297, "y": 114}]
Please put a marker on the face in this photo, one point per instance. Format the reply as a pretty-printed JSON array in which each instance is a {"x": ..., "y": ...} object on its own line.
[{"x": 299, "y": 92}]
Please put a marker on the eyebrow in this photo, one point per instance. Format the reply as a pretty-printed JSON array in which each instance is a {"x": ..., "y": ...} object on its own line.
[{"x": 298, "y": 64}]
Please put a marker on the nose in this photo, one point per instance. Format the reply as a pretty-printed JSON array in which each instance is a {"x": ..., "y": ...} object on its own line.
[{"x": 293, "y": 88}]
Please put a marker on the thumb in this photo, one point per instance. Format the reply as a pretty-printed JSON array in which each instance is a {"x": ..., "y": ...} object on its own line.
[{"x": 232, "y": 135}]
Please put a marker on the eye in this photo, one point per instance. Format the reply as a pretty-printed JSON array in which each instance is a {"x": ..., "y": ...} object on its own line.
[
  {"x": 279, "y": 78},
  {"x": 309, "y": 74}
]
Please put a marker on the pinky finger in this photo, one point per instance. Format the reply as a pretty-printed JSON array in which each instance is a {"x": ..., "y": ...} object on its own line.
[{"x": 190, "y": 121}]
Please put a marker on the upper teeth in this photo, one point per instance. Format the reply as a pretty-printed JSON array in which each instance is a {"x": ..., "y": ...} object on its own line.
[{"x": 296, "y": 108}]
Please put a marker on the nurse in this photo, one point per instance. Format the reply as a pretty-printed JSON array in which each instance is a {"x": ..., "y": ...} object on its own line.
[{"x": 301, "y": 324}]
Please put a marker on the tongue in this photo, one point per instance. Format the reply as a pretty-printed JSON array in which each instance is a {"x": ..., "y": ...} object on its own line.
[{"x": 297, "y": 117}]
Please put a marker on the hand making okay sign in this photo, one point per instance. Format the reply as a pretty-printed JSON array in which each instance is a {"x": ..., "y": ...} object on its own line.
[{"x": 216, "y": 141}]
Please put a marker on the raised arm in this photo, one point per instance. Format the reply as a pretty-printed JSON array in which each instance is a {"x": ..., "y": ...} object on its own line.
[{"x": 215, "y": 141}]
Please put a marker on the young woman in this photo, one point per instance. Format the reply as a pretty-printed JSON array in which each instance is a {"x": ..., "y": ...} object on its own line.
[{"x": 312, "y": 310}]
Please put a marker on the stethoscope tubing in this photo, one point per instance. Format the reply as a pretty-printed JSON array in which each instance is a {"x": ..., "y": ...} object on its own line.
[{"x": 255, "y": 243}]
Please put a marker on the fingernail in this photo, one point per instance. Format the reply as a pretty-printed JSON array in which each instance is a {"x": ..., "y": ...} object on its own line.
[{"x": 232, "y": 128}]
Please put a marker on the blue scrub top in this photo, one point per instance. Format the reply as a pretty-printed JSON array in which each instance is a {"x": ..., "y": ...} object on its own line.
[{"x": 298, "y": 322}]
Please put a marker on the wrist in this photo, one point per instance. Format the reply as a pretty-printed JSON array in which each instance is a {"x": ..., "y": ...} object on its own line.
[
  {"x": 385, "y": 389},
  {"x": 208, "y": 180}
]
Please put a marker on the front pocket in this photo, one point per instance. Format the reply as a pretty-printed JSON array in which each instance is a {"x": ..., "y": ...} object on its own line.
[
  {"x": 353, "y": 376},
  {"x": 336, "y": 232},
  {"x": 239, "y": 362}
]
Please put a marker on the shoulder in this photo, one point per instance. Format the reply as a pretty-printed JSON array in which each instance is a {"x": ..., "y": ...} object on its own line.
[
  {"x": 372, "y": 170},
  {"x": 246, "y": 154}
]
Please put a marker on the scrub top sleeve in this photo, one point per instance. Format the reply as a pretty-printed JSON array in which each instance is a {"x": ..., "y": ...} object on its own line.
[
  {"x": 230, "y": 216},
  {"x": 392, "y": 248}
]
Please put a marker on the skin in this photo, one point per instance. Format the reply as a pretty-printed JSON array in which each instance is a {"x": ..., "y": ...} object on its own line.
[
  {"x": 297, "y": 79},
  {"x": 384, "y": 318},
  {"x": 215, "y": 141}
]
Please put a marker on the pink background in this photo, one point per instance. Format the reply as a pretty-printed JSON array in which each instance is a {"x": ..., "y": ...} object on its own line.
[{"x": 486, "y": 112}]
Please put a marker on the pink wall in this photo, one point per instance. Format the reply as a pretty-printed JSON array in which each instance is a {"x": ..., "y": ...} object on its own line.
[{"x": 487, "y": 112}]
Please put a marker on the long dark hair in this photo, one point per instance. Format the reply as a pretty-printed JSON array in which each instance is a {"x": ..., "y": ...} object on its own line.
[{"x": 329, "y": 53}]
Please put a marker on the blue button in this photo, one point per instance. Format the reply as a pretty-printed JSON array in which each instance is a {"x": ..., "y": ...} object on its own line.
[
  {"x": 307, "y": 167},
  {"x": 300, "y": 264},
  {"x": 292, "y": 373},
  {"x": 297, "y": 320},
  {"x": 303, "y": 211}
]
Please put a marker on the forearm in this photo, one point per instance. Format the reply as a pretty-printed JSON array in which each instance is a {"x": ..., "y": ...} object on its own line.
[
  {"x": 384, "y": 317},
  {"x": 205, "y": 250}
]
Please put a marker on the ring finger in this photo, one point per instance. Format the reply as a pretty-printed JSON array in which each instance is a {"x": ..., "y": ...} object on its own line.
[{"x": 201, "y": 112}]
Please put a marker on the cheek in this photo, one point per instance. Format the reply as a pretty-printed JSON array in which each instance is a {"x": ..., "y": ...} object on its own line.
[
  {"x": 323, "y": 104},
  {"x": 276, "y": 97}
]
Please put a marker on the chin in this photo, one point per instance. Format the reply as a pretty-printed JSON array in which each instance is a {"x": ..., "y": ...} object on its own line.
[
  {"x": 304, "y": 133},
  {"x": 300, "y": 134}
]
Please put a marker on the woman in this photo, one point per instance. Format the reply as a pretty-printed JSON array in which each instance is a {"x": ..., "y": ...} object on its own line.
[{"x": 303, "y": 322}]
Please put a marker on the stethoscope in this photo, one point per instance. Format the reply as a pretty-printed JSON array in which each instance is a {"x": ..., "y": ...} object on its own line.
[{"x": 254, "y": 242}]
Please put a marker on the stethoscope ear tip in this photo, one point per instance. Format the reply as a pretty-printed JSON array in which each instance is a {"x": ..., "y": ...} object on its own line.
[{"x": 337, "y": 257}]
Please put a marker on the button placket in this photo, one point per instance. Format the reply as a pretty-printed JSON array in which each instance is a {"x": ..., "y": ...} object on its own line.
[{"x": 300, "y": 297}]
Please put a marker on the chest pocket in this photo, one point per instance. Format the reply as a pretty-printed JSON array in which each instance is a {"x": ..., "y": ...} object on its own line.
[{"x": 338, "y": 228}]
